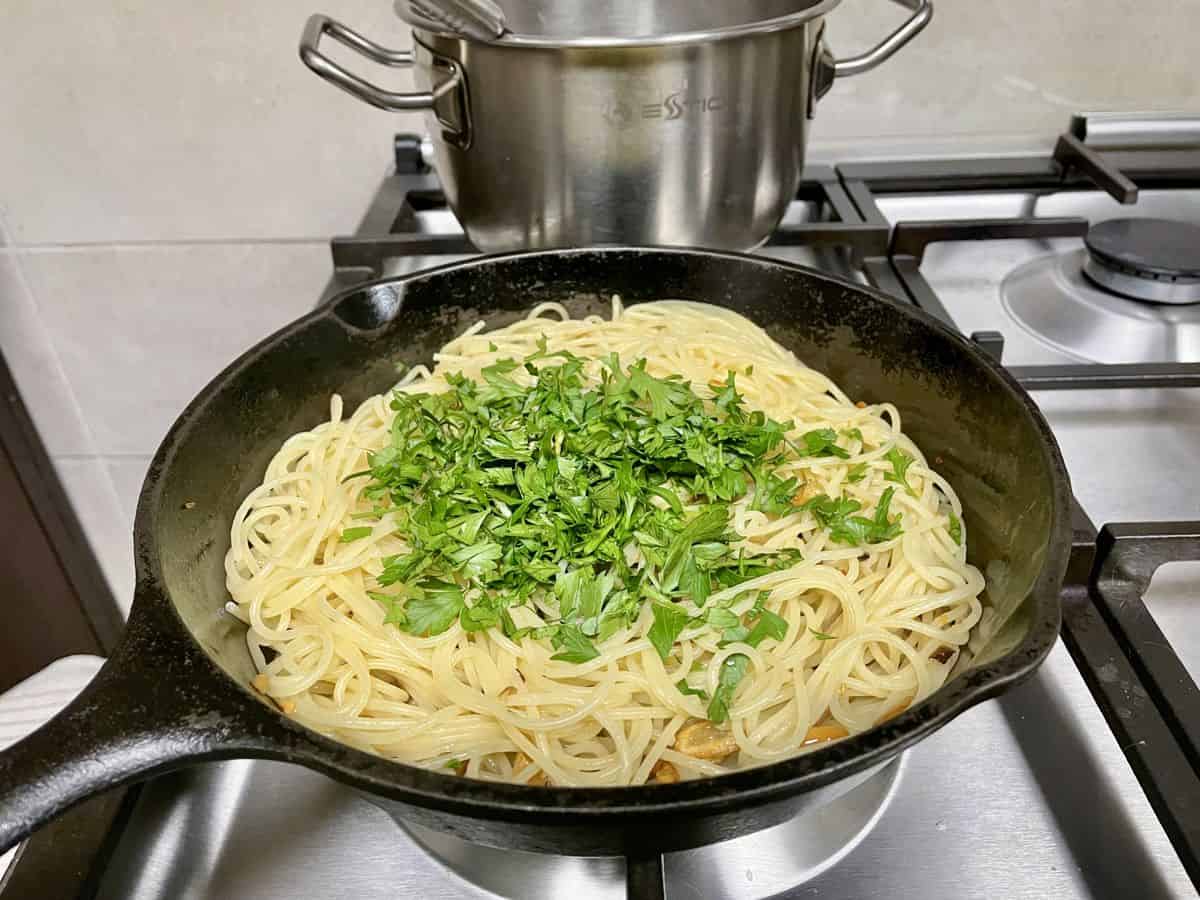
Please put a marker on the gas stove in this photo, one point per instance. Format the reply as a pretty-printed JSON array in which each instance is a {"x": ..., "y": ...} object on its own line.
[{"x": 1081, "y": 271}]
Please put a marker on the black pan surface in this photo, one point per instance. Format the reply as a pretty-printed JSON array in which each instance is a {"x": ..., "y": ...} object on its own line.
[{"x": 176, "y": 690}]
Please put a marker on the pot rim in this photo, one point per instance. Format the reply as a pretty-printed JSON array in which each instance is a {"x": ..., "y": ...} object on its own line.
[{"x": 600, "y": 42}]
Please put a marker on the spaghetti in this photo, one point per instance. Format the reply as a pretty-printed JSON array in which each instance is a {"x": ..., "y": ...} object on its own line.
[{"x": 870, "y": 625}]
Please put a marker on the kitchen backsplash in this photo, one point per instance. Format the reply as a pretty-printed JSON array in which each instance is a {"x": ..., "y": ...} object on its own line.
[
  {"x": 170, "y": 175},
  {"x": 136, "y": 121}
]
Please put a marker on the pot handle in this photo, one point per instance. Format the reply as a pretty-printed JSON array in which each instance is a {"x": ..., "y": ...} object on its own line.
[
  {"x": 883, "y": 51},
  {"x": 393, "y": 101},
  {"x": 825, "y": 68}
]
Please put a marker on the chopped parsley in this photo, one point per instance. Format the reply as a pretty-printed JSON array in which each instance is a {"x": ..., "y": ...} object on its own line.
[
  {"x": 434, "y": 607},
  {"x": 719, "y": 618},
  {"x": 769, "y": 625},
  {"x": 955, "y": 529},
  {"x": 822, "y": 442},
  {"x": 900, "y": 462},
  {"x": 688, "y": 691},
  {"x": 733, "y": 670},
  {"x": 669, "y": 621},
  {"x": 856, "y": 473},
  {"x": 594, "y": 499},
  {"x": 573, "y": 645},
  {"x": 846, "y": 528},
  {"x": 822, "y": 636}
]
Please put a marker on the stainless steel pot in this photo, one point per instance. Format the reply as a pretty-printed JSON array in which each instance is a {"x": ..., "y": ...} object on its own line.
[{"x": 671, "y": 122}]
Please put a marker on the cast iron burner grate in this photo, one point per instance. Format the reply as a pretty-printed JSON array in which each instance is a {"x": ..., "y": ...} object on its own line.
[{"x": 1120, "y": 650}]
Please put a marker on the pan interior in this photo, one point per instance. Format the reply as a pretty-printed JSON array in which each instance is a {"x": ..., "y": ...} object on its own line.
[{"x": 976, "y": 429}]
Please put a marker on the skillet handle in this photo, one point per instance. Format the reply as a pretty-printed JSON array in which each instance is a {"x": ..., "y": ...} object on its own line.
[{"x": 147, "y": 711}]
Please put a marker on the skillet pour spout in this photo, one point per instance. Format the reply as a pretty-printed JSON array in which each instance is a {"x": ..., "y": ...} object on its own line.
[{"x": 177, "y": 689}]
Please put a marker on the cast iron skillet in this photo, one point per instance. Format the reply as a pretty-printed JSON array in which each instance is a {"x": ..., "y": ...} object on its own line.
[{"x": 175, "y": 691}]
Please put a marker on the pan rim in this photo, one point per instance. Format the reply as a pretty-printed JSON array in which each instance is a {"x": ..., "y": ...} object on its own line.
[{"x": 580, "y": 805}]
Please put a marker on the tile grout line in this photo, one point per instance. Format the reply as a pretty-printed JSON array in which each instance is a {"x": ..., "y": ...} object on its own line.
[
  {"x": 85, "y": 246},
  {"x": 109, "y": 487},
  {"x": 26, "y": 286}
]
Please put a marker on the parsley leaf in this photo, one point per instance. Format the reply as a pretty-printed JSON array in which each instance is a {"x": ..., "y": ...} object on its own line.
[
  {"x": 711, "y": 523},
  {"x": 856, "y": 473},
  {"x": 855, "y": 530},
  {"x": 720, "y": 618},
  {"x": 496, "y": 376},
  {"x": 727, "y": 397},
  {"x": 476, "y": 559},
  {"x": 669, "y": 621},
  {"x": 900, "y": 462},
  {"x": 822, "y": 442},
  {"x": 435, "y": 610},
  {"x": 955, "y": 529},
  {"x": 688, "y": 691},
  {"x": 769, "y": 625},
  {"x": 483, "y": 615},
  {"x": 828, "y": 511},
  {"x": 884, "y": 528},
  {"x": 735, "y": 635},
  {"x": 733, "y": 670},
  {"x": 667, "y": 396},
  {"x": 394, "y": 605},
  {"x": 573, "y": 645},
  {"x": 568, "y": 587},
  {"x": 465, "y": 528},
  {"x": 773, "y": 494}
]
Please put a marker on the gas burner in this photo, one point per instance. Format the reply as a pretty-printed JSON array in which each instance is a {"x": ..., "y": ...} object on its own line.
[
  {"x": 765, "y": 864},
  {"x": 1051, "y": 298},
  {"x": 1147, "y": 259}
]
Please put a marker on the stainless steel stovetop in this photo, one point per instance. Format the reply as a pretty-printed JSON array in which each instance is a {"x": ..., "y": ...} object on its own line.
[{"x": 1029, "y": 796}]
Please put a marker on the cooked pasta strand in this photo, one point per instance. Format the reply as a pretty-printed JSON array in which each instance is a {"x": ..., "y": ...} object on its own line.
[{"x": 871, "y": 629}]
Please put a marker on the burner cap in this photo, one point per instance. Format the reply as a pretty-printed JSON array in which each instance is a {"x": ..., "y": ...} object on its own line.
[{"x": 1147, "y": 259}]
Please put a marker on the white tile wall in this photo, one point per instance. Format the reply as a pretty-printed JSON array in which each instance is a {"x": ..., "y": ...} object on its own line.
[
  {"x": 132, "y": 120},
  {"x": 109, "y": 343},
  {"x": 127, "y": 474},
  {"x": 170, "y": 173},
  {"x": 1015, "y": 68},
  {"x": 99, "y": 509},
  {"x": 140, "y": 329},
  {"x": 29, "y": 351},
  {"x": 194, "y": 119}
]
